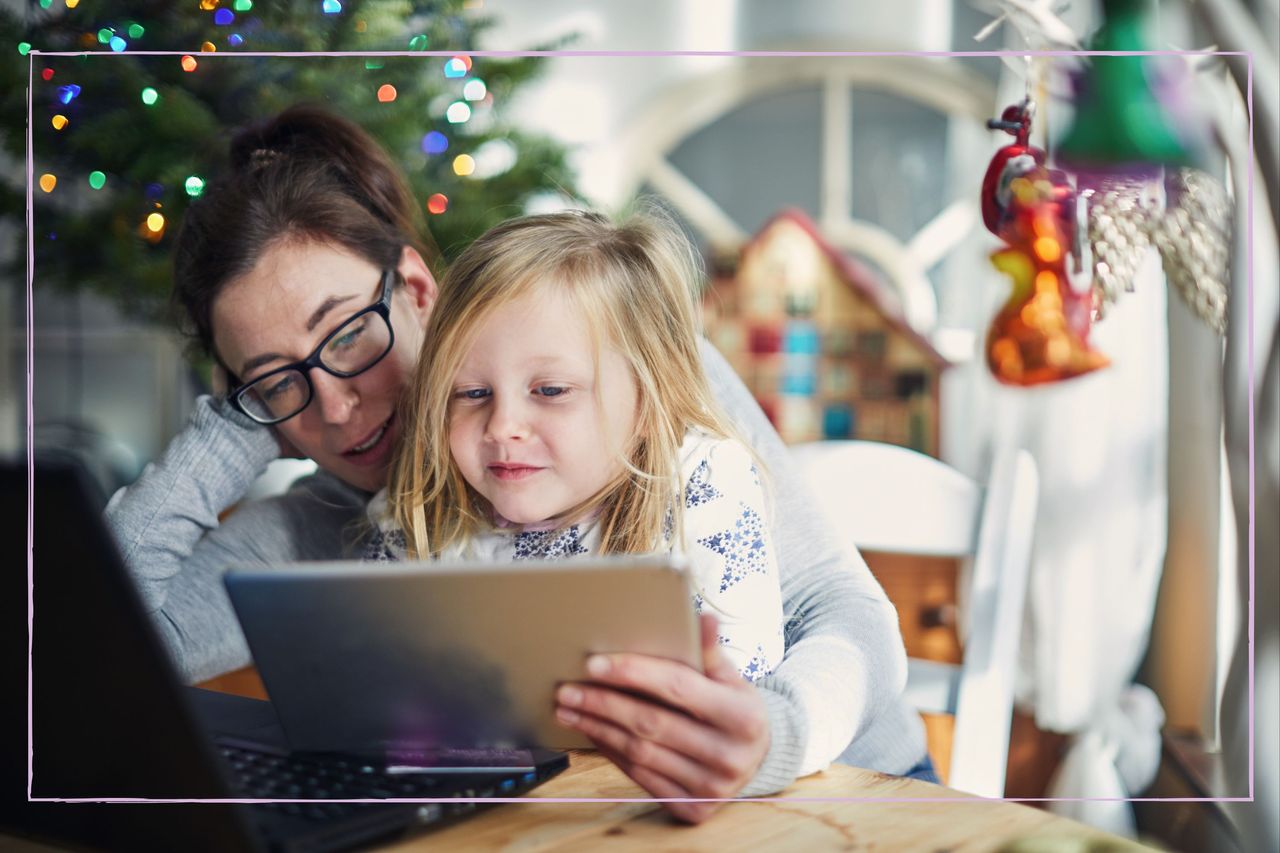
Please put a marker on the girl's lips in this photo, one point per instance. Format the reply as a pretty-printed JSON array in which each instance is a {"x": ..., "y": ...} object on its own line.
[
  {"x": 375, "y": 454},
  {"x": 513, "y": 472}
]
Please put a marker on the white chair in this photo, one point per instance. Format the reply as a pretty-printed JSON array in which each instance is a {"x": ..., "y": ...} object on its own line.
[{"x": 880, "y": 497}]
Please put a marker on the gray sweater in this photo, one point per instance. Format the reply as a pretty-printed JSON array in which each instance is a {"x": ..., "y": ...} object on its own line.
[{"x": 837, "y": 695}]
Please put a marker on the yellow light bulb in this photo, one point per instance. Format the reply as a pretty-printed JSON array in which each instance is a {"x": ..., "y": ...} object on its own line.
[{"x": 463, "y": 165}]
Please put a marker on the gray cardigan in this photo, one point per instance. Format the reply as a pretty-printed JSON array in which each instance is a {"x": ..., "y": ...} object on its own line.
[{"x": 836, "y": 696}]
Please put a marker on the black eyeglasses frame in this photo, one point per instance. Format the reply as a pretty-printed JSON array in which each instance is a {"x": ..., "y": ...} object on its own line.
[{"x": 382, "y": 307}]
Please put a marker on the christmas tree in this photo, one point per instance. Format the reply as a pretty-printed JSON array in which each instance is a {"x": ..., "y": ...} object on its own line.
[{"x": 123, "y": 142}]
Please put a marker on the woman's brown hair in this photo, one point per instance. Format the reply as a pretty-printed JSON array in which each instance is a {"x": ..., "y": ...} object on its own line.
[{"x": 304, "y": 175}]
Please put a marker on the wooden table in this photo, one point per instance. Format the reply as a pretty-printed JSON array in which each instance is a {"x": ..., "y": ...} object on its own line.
[
  {"x": 902, "y": 820},
  {"x": 906, "y": 823}
]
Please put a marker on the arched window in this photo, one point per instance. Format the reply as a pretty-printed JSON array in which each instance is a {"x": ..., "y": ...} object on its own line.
[{"x": 877, "y": 150}]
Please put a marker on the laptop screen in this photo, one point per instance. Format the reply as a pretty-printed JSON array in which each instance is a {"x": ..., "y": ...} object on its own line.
[{"x": 108, "y": 715}]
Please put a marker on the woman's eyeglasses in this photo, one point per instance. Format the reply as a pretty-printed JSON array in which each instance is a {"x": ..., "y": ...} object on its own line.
[{"x": 349, "y": 350}]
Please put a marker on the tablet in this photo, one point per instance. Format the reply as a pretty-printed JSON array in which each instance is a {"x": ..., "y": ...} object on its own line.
[{"x": 397, "y": 658}]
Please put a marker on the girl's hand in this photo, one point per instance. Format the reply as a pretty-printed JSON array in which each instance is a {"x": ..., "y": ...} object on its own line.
[
  {"x": 222, "y": 384},
  {"x": 696, "y": 736}
]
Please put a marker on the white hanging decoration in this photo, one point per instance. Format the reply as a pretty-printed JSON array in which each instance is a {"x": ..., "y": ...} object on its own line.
[
  {"x": 1194, "y": 239},
  {"x": 1036, "y": 21}
]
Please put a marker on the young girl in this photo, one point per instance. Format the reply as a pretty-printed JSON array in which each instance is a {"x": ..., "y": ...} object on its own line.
[{"x": 559, "y": 408}]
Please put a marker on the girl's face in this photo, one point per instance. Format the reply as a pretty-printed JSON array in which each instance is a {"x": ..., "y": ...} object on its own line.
[
  {"x": 529, "y": 428},
  {"x": 282, "y": 309}
]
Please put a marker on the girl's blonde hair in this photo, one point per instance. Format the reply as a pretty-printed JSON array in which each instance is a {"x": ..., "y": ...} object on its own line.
[{"x": 636, "y": 281}]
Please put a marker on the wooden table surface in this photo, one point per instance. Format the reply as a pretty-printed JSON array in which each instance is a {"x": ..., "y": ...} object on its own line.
[
  {"x": 906, "y": 823},
  {"x": 902, "y": 819}
]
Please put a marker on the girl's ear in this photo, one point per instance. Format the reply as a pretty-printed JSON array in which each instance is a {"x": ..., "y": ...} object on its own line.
[{"x": 419, "y": 283}]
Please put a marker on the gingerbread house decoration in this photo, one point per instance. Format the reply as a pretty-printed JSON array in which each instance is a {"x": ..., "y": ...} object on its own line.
[{"x": 822, "y": 342}]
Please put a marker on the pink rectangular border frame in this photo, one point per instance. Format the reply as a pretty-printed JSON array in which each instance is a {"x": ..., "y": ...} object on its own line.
[{"x": 30, "y": 213}]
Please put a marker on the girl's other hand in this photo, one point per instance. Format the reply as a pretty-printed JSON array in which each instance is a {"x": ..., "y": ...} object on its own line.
[{"x": 698, "y": 736}]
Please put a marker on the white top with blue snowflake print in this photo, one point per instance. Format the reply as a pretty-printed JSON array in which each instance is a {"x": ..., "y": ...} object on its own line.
[{"x": 726, "y": 540}]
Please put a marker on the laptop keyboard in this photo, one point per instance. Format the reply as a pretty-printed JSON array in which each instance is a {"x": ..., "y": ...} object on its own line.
[{"x": 268, "y": 775}]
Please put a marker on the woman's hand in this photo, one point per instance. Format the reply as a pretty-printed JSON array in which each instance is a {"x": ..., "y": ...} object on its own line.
[{"x": 697, "y": 736}]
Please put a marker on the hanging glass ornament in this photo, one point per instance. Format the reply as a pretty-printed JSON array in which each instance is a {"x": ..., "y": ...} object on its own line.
[
  {"x": 1120, "y": 213},
  {"x": 1120, "y": 124},
  {"x": 1194, "y": 239},
  {"x": 1041, "y": 333},
  {"x": 1132, "y": 145}
]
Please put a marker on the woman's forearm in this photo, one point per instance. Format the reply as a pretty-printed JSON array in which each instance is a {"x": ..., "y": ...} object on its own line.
[
  {"x": 167, "y": 527},
  {"x": 161, "y": 519},
  {"x": 844, "y": 661}
]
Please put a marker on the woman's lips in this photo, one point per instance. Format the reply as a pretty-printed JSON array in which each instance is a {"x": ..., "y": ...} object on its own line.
[
  {"x": 373, "y": 449},
  {"x": 509, "y": 473}
]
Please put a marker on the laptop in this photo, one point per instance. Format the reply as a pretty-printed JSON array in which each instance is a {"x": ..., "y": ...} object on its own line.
[{"x": 110, "y": 719}]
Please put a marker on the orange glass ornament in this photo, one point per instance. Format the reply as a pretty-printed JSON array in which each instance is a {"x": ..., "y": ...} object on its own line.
[{"x": 1041, "y": 333}]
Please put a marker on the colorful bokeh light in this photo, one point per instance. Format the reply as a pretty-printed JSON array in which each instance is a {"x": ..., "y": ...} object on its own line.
[
  {"x": 59, "y": 121},
  {"x": 150, "y": 96},
  {"x": 97, "y": 179},
  {"x": 386, "y": 93},
  {"x": 435, "y": 142},
  {"x": 463, "y": 165},
  {"x": 458, "y": 112},
  {"x": 194, "y": 185},
  {"x": 48, "y": 182},
  {"x": 438, "y": 203}
]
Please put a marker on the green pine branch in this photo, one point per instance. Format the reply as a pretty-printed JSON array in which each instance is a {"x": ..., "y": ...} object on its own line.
[{"x": 90, "y": 239}]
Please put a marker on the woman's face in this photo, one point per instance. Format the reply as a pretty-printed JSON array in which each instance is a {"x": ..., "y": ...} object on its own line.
[{"x": 280, "y": 312}]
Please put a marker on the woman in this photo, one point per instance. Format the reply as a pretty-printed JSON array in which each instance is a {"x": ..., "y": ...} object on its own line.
[{"x": 272, "y": 264}]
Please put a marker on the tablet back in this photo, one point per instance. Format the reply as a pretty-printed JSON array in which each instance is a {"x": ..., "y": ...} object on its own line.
[{"x": 376, "y": 657}]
